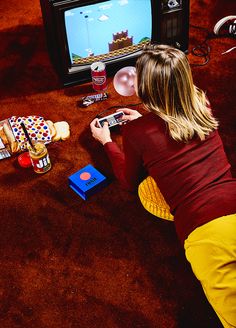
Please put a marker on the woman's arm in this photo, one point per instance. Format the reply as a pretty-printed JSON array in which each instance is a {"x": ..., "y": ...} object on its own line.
[{"x": 127, "y": 165}]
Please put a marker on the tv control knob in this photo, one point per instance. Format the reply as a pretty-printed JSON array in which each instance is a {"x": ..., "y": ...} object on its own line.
[{"x": 177, "y": 45}]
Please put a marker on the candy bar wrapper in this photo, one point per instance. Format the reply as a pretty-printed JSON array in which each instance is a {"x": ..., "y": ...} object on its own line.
[{"x": 89, "y": 100}]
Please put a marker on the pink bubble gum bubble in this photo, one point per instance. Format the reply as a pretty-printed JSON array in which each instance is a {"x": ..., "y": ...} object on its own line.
[{"x": 124, "y": 81}]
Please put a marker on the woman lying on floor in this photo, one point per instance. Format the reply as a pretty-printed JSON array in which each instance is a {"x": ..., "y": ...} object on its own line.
[{"x": 178, "y": 146}]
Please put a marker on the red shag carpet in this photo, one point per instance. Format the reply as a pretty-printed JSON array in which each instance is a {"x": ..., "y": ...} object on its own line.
[{"x": 105, "y": 262}]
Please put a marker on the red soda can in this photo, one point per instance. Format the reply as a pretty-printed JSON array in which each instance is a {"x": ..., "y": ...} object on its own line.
[{"x": 99, "y": 78}]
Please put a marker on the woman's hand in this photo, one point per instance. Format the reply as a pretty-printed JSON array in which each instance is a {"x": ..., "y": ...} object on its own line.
[
  {"x": 129, "y": 114},
  {"x": 101, "y": 134}
]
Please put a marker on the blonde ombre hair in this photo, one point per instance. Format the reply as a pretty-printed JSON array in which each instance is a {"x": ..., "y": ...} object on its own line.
[{"x": 165, "y": 86}]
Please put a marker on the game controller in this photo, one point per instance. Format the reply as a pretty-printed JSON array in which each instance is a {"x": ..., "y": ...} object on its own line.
[{"x": 112, "y": 120}]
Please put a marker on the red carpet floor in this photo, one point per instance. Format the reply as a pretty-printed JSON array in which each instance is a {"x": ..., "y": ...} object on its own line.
[{"x": 106, "y": 262}]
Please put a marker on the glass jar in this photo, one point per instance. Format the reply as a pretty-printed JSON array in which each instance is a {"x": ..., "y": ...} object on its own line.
[{"x": 39, "y": 157}]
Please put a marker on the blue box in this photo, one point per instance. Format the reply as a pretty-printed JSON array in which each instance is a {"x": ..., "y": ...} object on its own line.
[{"x": 87, "y": 181}]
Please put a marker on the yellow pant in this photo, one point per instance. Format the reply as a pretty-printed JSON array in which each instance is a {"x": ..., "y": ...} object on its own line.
[{"x": 211, "y": 251}]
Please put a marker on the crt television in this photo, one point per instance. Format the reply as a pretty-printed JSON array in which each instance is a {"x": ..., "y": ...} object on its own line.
[{"x": 80, "y": 32}]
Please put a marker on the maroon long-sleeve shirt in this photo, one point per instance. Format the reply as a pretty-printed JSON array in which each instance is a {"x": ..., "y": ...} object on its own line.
[{"x": 194, "y": 177}]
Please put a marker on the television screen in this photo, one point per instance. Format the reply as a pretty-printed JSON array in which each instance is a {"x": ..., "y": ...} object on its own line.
[
  {"x": 81, "y": 32},
  {"x": 107, "y": 29}
]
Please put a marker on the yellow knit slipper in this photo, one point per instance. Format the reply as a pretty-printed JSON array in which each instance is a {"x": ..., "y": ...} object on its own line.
[{"x": 153, "y": 200}]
